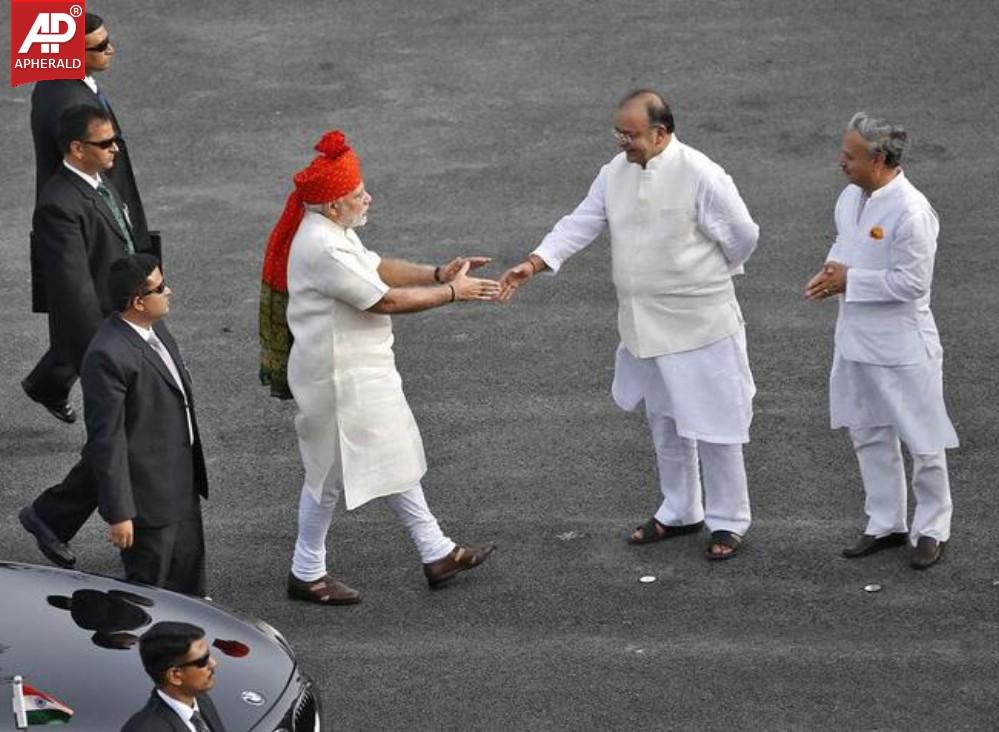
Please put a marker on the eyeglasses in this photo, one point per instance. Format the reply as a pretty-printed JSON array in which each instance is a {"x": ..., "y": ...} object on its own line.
[
  {"x": 102, "y": 144},
  {"x": 158, "y": 290},
  {"x": 629, "y": 137},
  {"x": 101, "y": 47},
  {"x": 199, "y": 662}
]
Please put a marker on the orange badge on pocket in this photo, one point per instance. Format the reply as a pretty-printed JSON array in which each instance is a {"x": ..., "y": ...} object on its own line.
[{"x": 877, "y": 233}]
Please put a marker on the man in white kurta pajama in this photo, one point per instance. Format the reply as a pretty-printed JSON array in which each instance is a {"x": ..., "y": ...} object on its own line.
[
  {"x": 679, "y": 231},
  {"x": 356, "y": 433},
  {"x": 886, "y": 382}
]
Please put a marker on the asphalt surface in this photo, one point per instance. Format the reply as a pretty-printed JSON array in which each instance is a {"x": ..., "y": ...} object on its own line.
[{"x": 478, "y": 125}]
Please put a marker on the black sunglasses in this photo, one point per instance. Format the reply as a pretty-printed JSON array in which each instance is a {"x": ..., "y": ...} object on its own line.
[
  {"x": 102, "y": 46},
  {"x": 102, "y": 144},
  {"x": 199, "y": 662},
  {"x": 158, "y": 290}
]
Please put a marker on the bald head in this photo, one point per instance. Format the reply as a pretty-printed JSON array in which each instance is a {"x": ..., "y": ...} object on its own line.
[
  {"x": 656, "y": 108},
  {"x": 643, "y": 125}
]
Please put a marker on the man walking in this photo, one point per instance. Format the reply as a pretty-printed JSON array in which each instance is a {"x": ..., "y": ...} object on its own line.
[
  {"x": 356, "y": 432},
  {"x": 679, "y": 231},
  {"x": 50, "y": 99},
  {"x": 81, "y": 230},
  {"x": 143, "y": 456},
  {"x": 50, "y": 382},
  {"x": 886, "y": 383}
]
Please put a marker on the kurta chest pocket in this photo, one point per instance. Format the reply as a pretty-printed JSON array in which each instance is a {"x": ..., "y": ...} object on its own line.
[{"x": 869, "y": 252}]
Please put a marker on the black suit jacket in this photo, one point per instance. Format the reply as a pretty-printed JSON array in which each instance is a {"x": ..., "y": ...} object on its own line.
[
  {"x": 49, "y": 99},
  {"x": 156, "y": 716},
  {"x": 76, "y": 238},
  {"x": 138, "y": 447}
]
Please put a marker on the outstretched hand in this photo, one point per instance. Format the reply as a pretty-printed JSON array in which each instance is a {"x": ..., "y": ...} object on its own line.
[
  {"x": 450, "y": 270},
  {"x": 514, "y": 278},
  {"x": 473, "y": 288}
]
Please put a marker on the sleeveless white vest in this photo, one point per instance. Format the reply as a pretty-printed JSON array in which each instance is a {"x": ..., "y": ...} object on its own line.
[{"x": 674, "y": 286}]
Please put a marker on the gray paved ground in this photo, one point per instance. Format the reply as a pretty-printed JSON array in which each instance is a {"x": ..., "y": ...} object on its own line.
[{"x": 479, "y": 124}]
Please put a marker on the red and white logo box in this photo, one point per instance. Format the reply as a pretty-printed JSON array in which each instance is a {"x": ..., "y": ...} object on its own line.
[{"x": 46, "y": 41}]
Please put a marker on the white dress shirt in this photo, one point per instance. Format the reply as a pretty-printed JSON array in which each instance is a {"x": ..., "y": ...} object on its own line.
[
  {"x": 183, "y": 711},
  {"x": 92, "y": 180}
]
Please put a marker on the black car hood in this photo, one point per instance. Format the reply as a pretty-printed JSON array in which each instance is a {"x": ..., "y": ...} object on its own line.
[{"x": 72, "y": 636}]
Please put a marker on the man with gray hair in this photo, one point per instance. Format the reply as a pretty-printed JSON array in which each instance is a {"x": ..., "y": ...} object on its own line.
[{"x": 886, "y": 383}]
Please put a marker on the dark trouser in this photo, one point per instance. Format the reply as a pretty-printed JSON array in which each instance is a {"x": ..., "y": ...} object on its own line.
[
  {"x": 66, "y": 506},
  {"x": 51, "y": 379},
  {"x": 172, "y": 556}
]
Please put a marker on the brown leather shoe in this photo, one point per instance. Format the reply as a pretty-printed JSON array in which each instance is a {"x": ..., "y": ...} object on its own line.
[
  {"x": 926, "y": 553},
  {"x": 460, "y": 559},
  {"x": 868, "y": 544},
  {"x": 323, "y": 591}
]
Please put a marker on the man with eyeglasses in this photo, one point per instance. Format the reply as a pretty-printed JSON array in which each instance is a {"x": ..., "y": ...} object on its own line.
[
  {"x": 178, "y": 660},
  {"x": 143, "y": 459},
  {"x": 80, "y": 230},
  {"x": 679, "y": 231}
]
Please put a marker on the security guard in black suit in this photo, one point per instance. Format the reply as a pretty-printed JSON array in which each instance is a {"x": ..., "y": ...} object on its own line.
[
  {"x": 52, "y": 380},
  {"x": 178, "y": 660},
  {"x": 80, "y": 229}
]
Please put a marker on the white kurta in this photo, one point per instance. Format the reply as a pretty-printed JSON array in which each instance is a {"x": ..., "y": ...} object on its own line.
[
  {"x": 341, "y": 369},
  {"x": 887, "y": 369},
  {"x": 699, "y": 377}
]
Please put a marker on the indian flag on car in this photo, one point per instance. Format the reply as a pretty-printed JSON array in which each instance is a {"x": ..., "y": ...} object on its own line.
[{"x": 37, "y": 707}]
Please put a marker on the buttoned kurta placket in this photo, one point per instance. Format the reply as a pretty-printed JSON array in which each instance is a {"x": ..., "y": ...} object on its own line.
[{"x": 342, "y": 371}]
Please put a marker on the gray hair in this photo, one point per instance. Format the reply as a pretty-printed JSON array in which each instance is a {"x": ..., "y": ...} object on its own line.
[{"x": 883, "y": 138}]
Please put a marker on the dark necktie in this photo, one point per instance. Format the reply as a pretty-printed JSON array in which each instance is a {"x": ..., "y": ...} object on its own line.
[
  {"x": 103, "y": 99},
  {"x": 119, "y": 217},
  {"x": 199, "y": 722}
]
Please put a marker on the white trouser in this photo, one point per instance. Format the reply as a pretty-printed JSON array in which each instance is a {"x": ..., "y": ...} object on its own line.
[
  {"x": 309, "y": 560},
  {"x": 726, "y": 493},
  {"x": 879, "y": 454}
]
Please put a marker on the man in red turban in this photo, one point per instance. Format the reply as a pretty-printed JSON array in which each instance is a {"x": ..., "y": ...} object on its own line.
[{"x": 356, "y": 432}]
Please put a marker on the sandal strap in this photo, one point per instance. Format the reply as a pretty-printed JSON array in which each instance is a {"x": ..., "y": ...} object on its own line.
[
  {"x": 727, "y": 539},
  {"x": 650, "y": 528}
]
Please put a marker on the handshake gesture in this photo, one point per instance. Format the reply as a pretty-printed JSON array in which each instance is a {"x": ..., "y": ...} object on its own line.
[
  {"x": 519, "y": 275},
  {"x": 455, "y": 274}
]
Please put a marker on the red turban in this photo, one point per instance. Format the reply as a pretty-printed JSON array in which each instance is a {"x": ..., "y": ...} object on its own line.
[{"x": 332, "y": 174}]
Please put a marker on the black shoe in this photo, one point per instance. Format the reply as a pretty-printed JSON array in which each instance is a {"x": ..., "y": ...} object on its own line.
[
  {"x": 50, "y": 545},
  {"x": 60, "y": 410},
  {"x": 868, "y": 544},
  {"x": 926, "y": 553}
]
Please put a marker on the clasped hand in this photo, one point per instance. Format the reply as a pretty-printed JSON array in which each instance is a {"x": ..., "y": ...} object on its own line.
[{"x": 829, "y": 281}]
